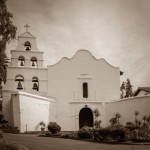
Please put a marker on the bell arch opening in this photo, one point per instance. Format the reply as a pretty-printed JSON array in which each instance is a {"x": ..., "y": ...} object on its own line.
[{"x": 85, "y": 118}]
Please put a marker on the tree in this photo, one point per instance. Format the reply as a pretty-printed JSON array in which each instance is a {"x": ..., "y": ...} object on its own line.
[
  {"x": 122, "y": 89},
  {"x": 126, "y": 89},
  {"x": 97, "y": 122},
  {"x": 7, "y": 33}
]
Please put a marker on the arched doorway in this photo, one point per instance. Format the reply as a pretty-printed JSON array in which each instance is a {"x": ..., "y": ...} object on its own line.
[{"x": 85, "y": 118}]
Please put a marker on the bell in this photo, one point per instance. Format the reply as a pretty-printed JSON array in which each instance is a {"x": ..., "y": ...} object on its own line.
[
  {"x": 21, "y": 64},
  {"x": 35, "y": 86},
  {"x": 19, "y": 86},
  {"x": 27, "y": 47},
  {"x": 33, "y": 63}
]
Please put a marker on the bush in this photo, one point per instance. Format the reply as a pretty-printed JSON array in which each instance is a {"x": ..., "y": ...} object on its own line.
[
  {"x": 141, "y": 135},
  {"x": 72, "y": 135},
  {"x": 1, "y": 134},
  {"x": 110, "y": 134},
  {"x": 8, "y": 128},
  {"x": 131, "y": 126},
  {"x": 119, "y": 134},
  {"x": 53, "y": 127},
  {"x": 101, "y": 134},
  {"x": 85, "y": 132}
]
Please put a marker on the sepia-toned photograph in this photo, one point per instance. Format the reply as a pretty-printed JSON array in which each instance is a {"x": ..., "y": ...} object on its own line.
[{"x": 74, "y": 74}]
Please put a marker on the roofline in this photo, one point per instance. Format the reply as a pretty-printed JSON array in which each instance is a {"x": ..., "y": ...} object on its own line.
[
  {"x": 21, "y": 36},
  {"x": 140, "y": 89},
  {"x": 85, "y": 51}
]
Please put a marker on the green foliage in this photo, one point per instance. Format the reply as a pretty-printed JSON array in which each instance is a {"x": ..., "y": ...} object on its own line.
[
  {"x": 54, "y": 128},
  {"x": 85, "y": 132}
]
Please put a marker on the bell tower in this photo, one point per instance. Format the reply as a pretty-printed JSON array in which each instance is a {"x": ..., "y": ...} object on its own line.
[
  {"x": 27, "y": 54},
  {"x": 26, "y": 71}
]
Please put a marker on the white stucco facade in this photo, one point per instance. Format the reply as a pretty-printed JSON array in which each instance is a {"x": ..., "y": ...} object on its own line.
[
  {"x": 61, "y": 91},
  {"x": 29, "y": 110}
]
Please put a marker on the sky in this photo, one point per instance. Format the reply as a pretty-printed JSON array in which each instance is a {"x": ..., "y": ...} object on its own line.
[{"x": 116, "y": 30}]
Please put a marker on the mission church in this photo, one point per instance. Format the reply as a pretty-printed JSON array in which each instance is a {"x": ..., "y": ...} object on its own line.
[{"x": 66, "y": 92}]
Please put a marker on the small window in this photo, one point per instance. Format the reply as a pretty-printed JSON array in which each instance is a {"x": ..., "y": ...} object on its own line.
[
  {"x": 35, "y": 83},
  {"x": 85, "y": 90},
  {"x": 20, "y": 80},
  {"x": 21, "y": 61},
  {"x": 34, "y": 62},
  {"x": 27, "y": 46}
]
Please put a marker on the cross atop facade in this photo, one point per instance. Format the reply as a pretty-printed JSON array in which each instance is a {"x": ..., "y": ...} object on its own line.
[{"x": 26, "y": 26}]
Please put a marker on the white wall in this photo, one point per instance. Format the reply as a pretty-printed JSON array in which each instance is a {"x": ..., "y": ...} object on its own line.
[
  {"x": 7, "y": 105},
  {"x": 32, "y": 110},
  {"x": 65, "y": 81},
  {"x": 127, "y": 107},
  {"x": 66, "y": 77}
]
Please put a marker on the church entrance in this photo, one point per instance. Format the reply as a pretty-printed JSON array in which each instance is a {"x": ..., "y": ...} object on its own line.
[{"x": 85, "y": 118}]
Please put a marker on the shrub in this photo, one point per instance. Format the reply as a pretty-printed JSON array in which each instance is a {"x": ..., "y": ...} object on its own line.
[
  {"x": 86, "y": 132},
  {"x": 131, "y": 126},
  {"x": 119, "y": 134},
  {"x": 101, "y": 134},
  {"x": 72, "y": 135},
  {"x": 1, "y": 134},
  {"x": 53, "y": 127},
  {"x": 109, "y": 134},
  {"x": 141, "y": 135},
  {"x": 8, "y": 128}
]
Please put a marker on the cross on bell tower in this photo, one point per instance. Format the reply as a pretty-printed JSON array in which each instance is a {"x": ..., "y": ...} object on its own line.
[{"x": 27, "y": 26}]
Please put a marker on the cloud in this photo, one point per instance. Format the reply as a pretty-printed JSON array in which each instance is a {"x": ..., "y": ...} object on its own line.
[{"x": 113, "y": 29}]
